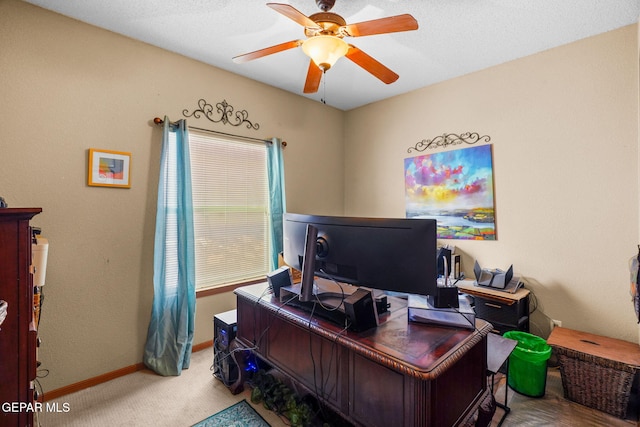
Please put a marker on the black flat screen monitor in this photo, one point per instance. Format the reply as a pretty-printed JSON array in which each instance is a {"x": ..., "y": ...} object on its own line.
[{"x": 390, "y": 254}]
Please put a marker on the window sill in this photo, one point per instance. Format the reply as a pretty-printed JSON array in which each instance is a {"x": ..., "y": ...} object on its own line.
[{"x": 205, "y": 292}]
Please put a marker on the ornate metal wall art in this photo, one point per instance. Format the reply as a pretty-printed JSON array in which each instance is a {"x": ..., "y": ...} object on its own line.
[
  {"x": 221, "y": 113},
  {"x": 448, "y": 139}
]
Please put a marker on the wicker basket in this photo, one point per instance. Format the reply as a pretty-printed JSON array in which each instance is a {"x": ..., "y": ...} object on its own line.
[{"x": 595, "y": 382}]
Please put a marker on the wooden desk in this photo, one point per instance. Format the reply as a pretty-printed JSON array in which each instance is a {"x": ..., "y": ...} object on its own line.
[{"x": 400, "y": 373}]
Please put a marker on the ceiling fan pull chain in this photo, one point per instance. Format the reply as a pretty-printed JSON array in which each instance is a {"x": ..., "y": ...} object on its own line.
[{"x": 324, "y": 87}]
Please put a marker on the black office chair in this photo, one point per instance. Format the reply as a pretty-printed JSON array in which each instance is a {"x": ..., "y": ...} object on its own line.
[
  {"x": 486, "y": 411},
  {"x": 3, "y": 310}
]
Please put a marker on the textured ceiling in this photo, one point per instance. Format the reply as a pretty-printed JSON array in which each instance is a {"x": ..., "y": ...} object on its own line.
[{"x": 455, "y": 37}]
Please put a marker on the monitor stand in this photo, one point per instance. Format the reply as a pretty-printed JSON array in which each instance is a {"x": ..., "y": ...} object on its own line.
[{"x": 351, "y": 306}]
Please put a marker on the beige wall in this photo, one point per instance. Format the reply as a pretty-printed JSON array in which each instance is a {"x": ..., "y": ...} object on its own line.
[
  {"x": 66, "y": 87},
  {"x": 563, "y": 124},
  {"x": 564, "y": 129}
]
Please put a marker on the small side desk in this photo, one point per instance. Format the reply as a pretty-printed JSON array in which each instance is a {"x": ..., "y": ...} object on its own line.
[
  {"x": 504, "y": 310},
  {"x": 398, "y": 374}
]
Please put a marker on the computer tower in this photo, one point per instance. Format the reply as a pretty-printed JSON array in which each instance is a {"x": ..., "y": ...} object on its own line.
[{"x": 225, "y": 327}]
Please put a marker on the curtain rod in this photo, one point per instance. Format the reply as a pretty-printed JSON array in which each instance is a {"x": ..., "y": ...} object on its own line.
[{"x": 159, "y": 121}]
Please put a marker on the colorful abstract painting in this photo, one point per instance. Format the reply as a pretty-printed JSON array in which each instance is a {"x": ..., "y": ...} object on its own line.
[
  {"x": 456, "y": 188},
  {"x": 111, "y": 168}
]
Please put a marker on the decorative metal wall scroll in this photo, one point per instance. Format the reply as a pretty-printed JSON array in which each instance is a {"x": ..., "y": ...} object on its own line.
[
  {"x": 448, "y": 139},
  {"x": 221, "y": 113}
]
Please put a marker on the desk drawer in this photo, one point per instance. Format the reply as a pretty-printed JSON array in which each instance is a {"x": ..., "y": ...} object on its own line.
[{"x": 496, "y": 311}]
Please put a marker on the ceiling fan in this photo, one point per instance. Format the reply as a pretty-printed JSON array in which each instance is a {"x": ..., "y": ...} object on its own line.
[{"x": 324, "y": 44}]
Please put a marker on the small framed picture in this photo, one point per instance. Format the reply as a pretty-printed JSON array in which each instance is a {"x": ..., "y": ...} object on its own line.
[{"x": 109, "y": 168}]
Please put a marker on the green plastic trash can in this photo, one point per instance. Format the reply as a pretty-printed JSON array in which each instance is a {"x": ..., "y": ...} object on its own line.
[{"x": 528, "y": 364}]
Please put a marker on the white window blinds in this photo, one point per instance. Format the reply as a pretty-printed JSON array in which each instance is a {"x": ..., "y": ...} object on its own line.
[{"x": 231, "y": 206}]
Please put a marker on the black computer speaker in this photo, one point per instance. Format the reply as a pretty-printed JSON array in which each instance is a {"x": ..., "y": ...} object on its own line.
[
  {"x": 446, "y": 297},
  {"x": 279, "y": 278},
  {"x": 361, "y": 311}
]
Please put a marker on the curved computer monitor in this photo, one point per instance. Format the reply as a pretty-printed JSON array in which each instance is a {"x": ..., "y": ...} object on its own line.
[{"x": 390, "y": 254}]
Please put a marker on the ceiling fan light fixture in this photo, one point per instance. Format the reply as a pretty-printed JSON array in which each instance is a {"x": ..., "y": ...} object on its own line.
[{"x": 325, "y": 50}]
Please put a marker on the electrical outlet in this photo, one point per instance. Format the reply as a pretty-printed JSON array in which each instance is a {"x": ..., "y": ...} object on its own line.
[{"x": 555, "y": 323}]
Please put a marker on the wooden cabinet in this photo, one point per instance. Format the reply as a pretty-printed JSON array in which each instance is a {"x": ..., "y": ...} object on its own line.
[
  {"x": 504, "y": 310},
  {"x": 18, "y": 332}
]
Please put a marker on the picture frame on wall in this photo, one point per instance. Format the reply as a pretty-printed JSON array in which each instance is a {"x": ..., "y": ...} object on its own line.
[
  {"x": 456, "y": 188},
  {"x": 108, "y": 168}
]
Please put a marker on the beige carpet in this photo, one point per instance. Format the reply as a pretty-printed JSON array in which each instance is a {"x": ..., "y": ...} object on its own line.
[
  {"x": 553, "y": 409},
  {"x": 146, "y": 399}
]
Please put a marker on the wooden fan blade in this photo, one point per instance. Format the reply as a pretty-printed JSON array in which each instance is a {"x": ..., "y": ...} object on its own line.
[
  {"x": 371, "y": 65},
  {"x": 314, "y": 75},
  {"x": 392, "y": 24},
  {"x": 266, "y": 51},
  {"x": 293, "y": 13}
]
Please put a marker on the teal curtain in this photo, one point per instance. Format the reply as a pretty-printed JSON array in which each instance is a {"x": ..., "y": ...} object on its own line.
[
  {"x": 277, "y": 201},
  {"x": 170, "y": 335}
]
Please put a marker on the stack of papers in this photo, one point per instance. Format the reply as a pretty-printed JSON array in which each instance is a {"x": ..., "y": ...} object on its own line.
[{"x": 421, "y": 310}]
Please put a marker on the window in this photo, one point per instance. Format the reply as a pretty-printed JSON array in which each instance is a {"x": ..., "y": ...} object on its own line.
[{"x": 230, "y": 209}]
